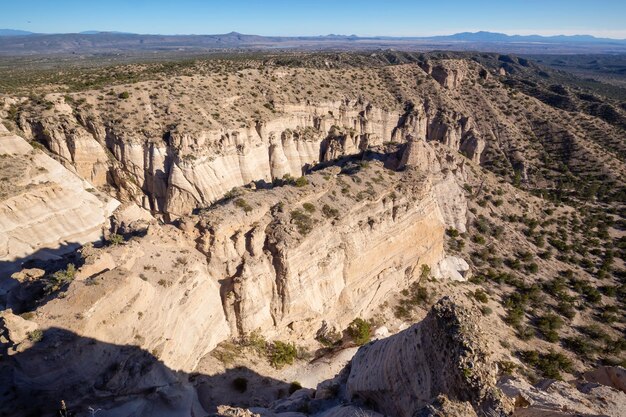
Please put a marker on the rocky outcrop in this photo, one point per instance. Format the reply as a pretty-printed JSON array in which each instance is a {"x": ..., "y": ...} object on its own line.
[
  {"x": 449, "y": 73},
  {"x": 445, "y": 355},
  {"x": 45, "y": 209},
  {"x": 292, "y": 257},
  {"x": 84, "y": 374},
  {"x": 181, "y": 171},
  {"x": 134, "y": 314},
  {"x": 611, "y": 376},
  {"x": 550, "y": 398},
  {"x": 155, "y": 293}
]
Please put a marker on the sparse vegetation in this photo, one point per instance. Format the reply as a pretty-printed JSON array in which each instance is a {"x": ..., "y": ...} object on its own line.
[
  {"x": 243, "y": 204},
  {"x": 35, "y": 335},
  {"x": 359, "y": 331},
  {"x": 281, "y": 354}
]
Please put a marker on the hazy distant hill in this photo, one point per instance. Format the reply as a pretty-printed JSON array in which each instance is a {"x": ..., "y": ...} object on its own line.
[
  {"x": 13, "y": 32},
  {"x": 96, "y": 42},
  {"x": 502, "y": 37}
]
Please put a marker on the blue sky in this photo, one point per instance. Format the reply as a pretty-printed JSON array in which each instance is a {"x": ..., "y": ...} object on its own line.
[{"x": 281, "y": 17}]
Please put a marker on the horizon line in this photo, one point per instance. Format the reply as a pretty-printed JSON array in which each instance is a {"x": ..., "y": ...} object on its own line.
[{"x": 95, "y": 31}]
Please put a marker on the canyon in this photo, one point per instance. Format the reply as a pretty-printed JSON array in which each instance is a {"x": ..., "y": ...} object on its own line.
[{"x": 164, "y": 236}]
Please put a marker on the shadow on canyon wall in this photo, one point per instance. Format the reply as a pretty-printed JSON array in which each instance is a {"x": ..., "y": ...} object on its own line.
[
  {"x": 30, "y": 293},
  {"x": 26, "y": 295},
  {"x": 120, "y": 380}
]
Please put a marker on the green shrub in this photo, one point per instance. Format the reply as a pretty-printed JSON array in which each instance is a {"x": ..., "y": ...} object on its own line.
[
  {"x": 124, "y": 95},
  {"x": 359, "y": 331},
  {"x": 548, "y": 364},
  {"x": 243, "y": 204},
  {"x": 116, "y": 239},
  {"x": 309, "y": 207},
  {"x": 35, "y": 336},
  {"x": 593, "y": 331},
  {"x": 549, "y": 325},
  {"x": 59, "y": 279},
  {"x": 414, "y": 296},
  {"x": 566, "y": 309},
  {"x": 282, "y": 354},
  {"x": 330, "y": 212},
  {"x": 304, "y": 223},
  {"x": 579, "y": 346},
  {"x": 532, "y": 267},
  {"x": 478, "y": 239},
  {"x": 294, "y": 386},
  {"x": 301, "y": 182},
  {"x": 481, "y": 296}
]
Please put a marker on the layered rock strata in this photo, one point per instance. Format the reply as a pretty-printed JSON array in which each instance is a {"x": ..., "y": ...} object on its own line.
[
  {"x": 444, "y": 355},
  {"x": 181, "y": 171},
  {"x": 45, "y": 209},
  {"x": 332, "y": 250}
]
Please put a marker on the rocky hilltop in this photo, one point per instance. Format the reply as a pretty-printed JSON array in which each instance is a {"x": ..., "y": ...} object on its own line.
[{"x": 203, "y": 238}]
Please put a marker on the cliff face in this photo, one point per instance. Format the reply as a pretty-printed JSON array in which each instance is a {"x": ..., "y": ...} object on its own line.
[
  {"x": 331, "y": 250},
  {"x": 44, "y": 208},
  {"x": 155, "y": 293},
  {"x": 186, "y": 170},
  {"x": 443, "y": 355}
]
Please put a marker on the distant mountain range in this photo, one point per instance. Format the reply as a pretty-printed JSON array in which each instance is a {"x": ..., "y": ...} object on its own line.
[
  {"x": 13, "y": 32},
  {"x": 17, "y": 42}
]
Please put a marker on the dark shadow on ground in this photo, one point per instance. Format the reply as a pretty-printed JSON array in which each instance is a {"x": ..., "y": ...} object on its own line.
[
  {"x": 120, "y": 380},
  {"x": 26, "y": 295}
]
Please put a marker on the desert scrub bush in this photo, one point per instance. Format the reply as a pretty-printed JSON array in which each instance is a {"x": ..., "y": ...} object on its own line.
[
  {"x": 294, "y": 386},
  {"x": 281, "y": 354},
  {"x": 301, "y": 182},
  {"x": 28, "y": 315},
  {"x": 413, "y": 296},
  {"x": 330, "y": 212},
  {"x": 124, "y": 95},
  {"x": 240, "y": 384},
  {"x": 479, "y": 239},
  {"x": 309, "y": 207},
  {"x": 60, "y": 278},
  {"x": 580, "y": 346},
  {"x": 304, "y": 223},
  {"x": 549, "y": 325},
  {"x": 115, "y": 239},
  {"x": 243, "y": 204},
  {"x": 359, "y": 331},
  {"x": 255, "y": 341},
  {"x": 226, "y": 352},
  {"x": 566, "y": 309},
  {"x": 532, "y": 267},
  {"x": 480, "y": 296},
  {"x": 549, "y": 365},
  {"x": 35, "y": 336}
]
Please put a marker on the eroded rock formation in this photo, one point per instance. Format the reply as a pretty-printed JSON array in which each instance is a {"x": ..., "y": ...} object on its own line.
[
  {"x": 181, "y": 171},
  {"x": 45, "y": 209},
  {"x": 333, "y": 250},
  {"x": 444, "y": 355}
]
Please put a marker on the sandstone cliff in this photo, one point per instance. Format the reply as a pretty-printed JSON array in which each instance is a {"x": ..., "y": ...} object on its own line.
[
  {"x": 332, "y": 250},
  {"x": 177, "y": 167},
  {"x": 444, "y": 355},
  {"x": 44, "y": 208}
]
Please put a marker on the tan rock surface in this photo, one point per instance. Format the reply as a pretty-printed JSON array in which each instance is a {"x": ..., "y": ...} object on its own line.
[
  {"x": 445, "y": 354},
  {"x": 44, "y": 208},
  {"x": 367, "y": 243}
]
